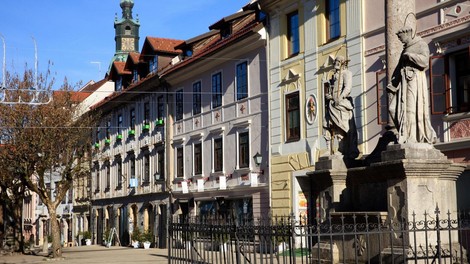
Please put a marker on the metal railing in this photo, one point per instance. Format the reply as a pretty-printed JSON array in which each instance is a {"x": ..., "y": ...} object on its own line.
[{"x": 361, "y": 237}]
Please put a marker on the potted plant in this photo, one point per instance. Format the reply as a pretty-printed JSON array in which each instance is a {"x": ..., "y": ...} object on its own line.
[
  {"x": 159, "y": 122},
  {"x": 107, "y": 141},
  {"x": 132, "y": 132},
  {"x": 136, "y": 237},
  {"x": 87, "y": 237},
  {"x": 146, "y": 127},
  {"x": 146, "y": 239},
  {"x": 97, "y": 145},
  {"x": 119, "y": 137}
]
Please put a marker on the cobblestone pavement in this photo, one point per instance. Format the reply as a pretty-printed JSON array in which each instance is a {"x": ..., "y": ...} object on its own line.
[{"x": 96, "y": 254}]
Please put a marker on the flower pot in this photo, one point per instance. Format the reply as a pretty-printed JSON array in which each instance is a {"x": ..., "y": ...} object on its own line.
[
  {"x": 146, "y": 245},
  {"x": 88, "y": 242},
  {"x": 159, "y": 122},
  {"x": 135, "y": 244}
]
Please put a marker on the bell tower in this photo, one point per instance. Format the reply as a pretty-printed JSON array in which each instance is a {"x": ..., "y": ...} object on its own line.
[{"x": 126, "y": 32}]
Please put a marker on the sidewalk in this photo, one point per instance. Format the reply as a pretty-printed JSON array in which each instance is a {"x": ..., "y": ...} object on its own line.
[{"x": 96, "y": 254}]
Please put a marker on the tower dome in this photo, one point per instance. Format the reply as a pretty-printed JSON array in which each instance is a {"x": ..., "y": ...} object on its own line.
[{"x": 127, "y": 3}]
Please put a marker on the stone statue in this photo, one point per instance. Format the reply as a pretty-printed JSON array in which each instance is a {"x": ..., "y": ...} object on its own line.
[
  {"x": 339, "y": 122},
  {"x": 409, "y": 103}
]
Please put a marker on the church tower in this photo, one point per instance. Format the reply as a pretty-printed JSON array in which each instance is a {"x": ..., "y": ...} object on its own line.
[{"x": 126, "y": 32}]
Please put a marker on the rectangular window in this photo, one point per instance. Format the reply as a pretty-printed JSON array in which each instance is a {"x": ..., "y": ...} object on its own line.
[
  {"x": 147, "y": 113},
  {"x": 135, "y": 76},
  {"x": 293, "y": 116},
  {"x": 118, "y": 84},
  {"x": 242, "y": 80},
  {"x": 446, "y": 72},
  {"x": 97, "y": 177},
  {"x": 179, "y": 105},
  {"x": 382, "y": 98},
  {"x": 293, "y": 36},
  {"x": 107, "y": 167},
  {"x": 70, "y": 196},
  {"x": 132, "y": 119},
  {"x": 243, "y": 150},
  {"x": 218, "y": 154},
  {"x": 153, "y": 64},
  {"x": 108, "y": 129},
  {"x": 161, "y": 164},
  {"x": 119, "y": 124},
  {"x": 196, "y": 98},
  {"x": 216, "y": 90},
  {"x": 197, "y": 159},
  {"x": 132, "y": 166},
  {"x": 333, "y": 26},
  {"x": 97, "y": 135},
  {"x": 146, "y": 167},
  {"x": 179, "y": 162},
  {"x": 119, "y": 171},
  {"x": 160, "y": 107}
]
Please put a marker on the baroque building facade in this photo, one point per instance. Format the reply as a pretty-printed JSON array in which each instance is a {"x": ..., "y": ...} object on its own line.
[{"x": 305, "y": 37}]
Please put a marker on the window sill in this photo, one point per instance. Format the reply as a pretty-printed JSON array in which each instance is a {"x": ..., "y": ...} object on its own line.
[
  {"x": 146, "y": 183},
  {"x": 241, "y": 171},
  {"x": 292, "y": 140},
  {"x": 456, "y": 116}
]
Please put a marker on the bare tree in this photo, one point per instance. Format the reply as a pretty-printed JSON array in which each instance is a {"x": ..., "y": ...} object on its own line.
[{"x": 40, "y": 138}]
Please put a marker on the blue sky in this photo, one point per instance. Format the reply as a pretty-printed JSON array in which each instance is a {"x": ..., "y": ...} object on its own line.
[{"x": 74, "y": 33}]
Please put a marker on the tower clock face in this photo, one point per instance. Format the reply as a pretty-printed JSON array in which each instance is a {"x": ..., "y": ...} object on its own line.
[{"x": 127, "y": 44}]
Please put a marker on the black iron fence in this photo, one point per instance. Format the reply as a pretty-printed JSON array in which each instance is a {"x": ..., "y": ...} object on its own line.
[{"x": 366, "y": 237}]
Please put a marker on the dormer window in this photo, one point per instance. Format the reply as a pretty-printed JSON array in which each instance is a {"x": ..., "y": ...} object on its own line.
[
  {"x": 188, "y": 53},
  {"x": 153, "y": 64},
  {"x": 135, "y": 77},
  {"x": 225, "y": 32},
  {"x": 118, "y": 84}
]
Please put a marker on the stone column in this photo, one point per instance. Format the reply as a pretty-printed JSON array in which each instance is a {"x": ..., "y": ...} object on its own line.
[
  {"x": 397, "y": 11},
  {"x": 328, "y": 183}
]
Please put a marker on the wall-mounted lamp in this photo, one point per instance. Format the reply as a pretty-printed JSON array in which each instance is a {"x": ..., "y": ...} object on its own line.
[
  {"x": 258, "y": 159},
  {"x": 156, "y": 176}
]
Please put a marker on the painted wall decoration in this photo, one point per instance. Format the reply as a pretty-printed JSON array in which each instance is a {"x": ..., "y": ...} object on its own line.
[{"x": 311, "y": 109}]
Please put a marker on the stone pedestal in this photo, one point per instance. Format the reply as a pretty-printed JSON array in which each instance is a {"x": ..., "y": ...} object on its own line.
[
  {"x": 421, "y": 187},
  {"x": 329, "y": 183},
  {"x": 420, "y": 178}
]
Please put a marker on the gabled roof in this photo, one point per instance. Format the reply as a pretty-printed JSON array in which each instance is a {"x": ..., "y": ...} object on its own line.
[
  {"x": 191, "y": 41},
  {"x": 220, "y": 24},
  {"x": 162, "y": 45},
  {"x": 133, "y": 57},
  {"x": 243, "y": 24},
  {"x": 93, "y": 86}
]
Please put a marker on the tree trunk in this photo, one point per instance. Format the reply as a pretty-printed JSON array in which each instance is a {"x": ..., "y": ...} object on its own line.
[{"x": 55, "y": 230}]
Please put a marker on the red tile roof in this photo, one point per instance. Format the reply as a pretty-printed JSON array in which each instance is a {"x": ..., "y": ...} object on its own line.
[
  {"x": 164, "y": 44},
  {"x": 134, "y": 57},
  {"x": 120, "y": 67},
  {"x": 93, "y": 87}
]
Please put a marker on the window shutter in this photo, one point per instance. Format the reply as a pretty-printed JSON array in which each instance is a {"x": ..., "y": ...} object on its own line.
[{"x": 440, "y": 90}]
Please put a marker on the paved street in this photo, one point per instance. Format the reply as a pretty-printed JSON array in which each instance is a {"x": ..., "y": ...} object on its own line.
[{"x": 97, "y": 254}]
